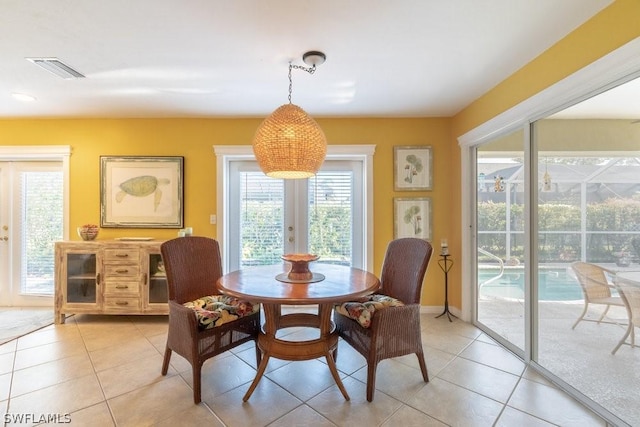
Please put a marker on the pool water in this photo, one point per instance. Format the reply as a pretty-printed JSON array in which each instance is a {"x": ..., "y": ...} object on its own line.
[{"x": 553, "y": 285}]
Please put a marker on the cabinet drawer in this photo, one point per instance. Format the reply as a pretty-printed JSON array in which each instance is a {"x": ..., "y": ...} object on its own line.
[
  {"x": 112, "y": 288},
  {"x": 121, "y": 303},
  {"x": 112, "y": 256},
  {"x": 121, "y": 270}
]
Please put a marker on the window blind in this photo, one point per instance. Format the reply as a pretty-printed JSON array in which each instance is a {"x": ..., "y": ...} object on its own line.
[
  {"x": 262, "y": 218},
  {"x": 331, "y": 216},
  {"x": 42, "y": 219}
]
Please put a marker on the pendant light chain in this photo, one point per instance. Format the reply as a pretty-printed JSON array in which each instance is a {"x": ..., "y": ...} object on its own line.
[{"x": 309, "y": 70}]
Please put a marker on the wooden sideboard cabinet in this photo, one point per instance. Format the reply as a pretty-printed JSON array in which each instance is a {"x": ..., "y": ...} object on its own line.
[{"x": 109, "y": 277}]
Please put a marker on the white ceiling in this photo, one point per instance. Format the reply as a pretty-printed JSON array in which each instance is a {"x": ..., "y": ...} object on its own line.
[
  {"x": 220, "y": 58},
  {"x": 620, "y": 102}
]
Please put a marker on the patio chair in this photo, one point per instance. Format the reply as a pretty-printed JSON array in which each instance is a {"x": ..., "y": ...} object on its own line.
[
  {"x": 387, "y": 324},
  {"x": 202, "y": 323},
  {"x": 630, "y": 294},
  {"x": 596, "y": 289}
]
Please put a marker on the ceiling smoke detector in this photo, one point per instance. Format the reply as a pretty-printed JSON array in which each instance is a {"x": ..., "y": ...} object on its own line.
[{"x": 57, "y": 67}]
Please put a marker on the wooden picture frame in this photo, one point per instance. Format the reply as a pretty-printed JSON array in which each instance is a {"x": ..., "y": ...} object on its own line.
[
  {"x": 412, "y": 217},
  {"x": 141, "y": 192},
  {"x": 412, "y": 168}
]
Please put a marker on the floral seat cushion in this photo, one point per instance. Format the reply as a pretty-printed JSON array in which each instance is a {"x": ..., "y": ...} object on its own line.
[
  {"x": 362, "y": 310},
  {"x": 216, "y": 310}
]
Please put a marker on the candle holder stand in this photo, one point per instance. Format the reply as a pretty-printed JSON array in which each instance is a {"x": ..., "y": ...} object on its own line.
[{"x": 445, "y": 265}]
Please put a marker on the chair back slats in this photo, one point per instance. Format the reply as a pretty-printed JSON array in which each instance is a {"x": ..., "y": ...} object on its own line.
[
  {"x": 193, "y": 265},
  {"x": 592, "y": 279},
  {"x": 403, "y": 269}
]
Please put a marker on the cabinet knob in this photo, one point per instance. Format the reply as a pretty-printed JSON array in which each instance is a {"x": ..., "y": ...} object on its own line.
[
  {"x": 122, "y": 255},
  {"x": 122, "y": 271},
  {"x": 122, "y": 287},
  {"x": 122, "y": 302}
]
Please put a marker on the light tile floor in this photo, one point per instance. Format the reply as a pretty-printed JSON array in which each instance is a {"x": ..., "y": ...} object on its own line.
[{"x": 105, "y": 371}]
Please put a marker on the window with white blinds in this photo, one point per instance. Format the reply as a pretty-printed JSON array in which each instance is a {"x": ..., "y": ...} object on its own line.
[
  {"x": 41, "y": 211},
  {"x": 261, "y": 219},
  {"x": 331, "y": 216}
]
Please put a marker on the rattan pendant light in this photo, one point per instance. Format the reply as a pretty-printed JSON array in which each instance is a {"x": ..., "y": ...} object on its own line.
[{"x": 289, "y": 143}]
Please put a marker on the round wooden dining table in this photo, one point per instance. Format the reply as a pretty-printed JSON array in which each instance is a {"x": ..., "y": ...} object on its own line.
[{"x": 259, "y": 284}]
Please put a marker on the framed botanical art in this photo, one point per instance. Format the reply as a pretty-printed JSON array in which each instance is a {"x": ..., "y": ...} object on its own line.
[
  {"x": 141, "y": 192},
  {"x": 412, "y": 166},
  {"x": 412, "y": 217}
]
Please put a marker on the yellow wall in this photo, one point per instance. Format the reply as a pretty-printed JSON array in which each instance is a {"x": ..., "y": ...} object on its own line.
[{"x": 194, "y": 139}]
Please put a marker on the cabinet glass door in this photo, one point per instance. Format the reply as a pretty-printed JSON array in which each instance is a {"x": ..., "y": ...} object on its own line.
[
  {"x": 157, "y": 280},
  {"x": 81, "y": 278}
]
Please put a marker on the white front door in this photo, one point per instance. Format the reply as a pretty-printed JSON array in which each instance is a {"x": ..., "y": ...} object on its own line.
[{"x": 31, "y": 220}]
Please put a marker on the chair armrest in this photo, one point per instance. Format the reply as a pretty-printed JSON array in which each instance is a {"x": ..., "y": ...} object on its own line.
[
  {"x": 183, "y": 328},
  {"x": 402, "y": 321}
]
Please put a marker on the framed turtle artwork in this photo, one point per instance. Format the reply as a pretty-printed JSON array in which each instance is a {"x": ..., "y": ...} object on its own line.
[{"x": 141, "y": 192}]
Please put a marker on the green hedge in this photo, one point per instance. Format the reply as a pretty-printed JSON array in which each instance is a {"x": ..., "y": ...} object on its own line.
[{"x": 610, "y": 225}]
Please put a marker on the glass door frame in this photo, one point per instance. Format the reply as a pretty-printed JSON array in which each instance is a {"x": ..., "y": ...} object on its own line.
[
  {"x": 31, "y": 154},
  {"x": 471, "y": 252},
  {"x": 612, "y": 70}
]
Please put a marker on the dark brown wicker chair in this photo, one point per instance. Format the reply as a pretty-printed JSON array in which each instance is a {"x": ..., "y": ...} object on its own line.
[
  {"x": 394, "y": 331},
  {"x": 193, "y": 266}
]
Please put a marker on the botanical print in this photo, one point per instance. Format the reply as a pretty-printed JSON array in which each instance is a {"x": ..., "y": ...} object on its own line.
[
  {"x": 412, "y": 218},
  {"x": 412, "y": 168}
]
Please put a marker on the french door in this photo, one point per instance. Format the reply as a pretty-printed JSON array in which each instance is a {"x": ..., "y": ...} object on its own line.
[
  {"x": 270, "y": 217},
  {"x": 31, "y": 220}
]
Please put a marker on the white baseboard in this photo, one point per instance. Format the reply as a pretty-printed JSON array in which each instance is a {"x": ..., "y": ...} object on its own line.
[{"x": 435, "y": 309}]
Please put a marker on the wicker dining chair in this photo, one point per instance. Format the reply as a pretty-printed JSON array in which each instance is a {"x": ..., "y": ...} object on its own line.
[
  {"x": 387, "y": 324},
  {"x": 596, "y": 289},
  {"x": 197, "y": 330}
]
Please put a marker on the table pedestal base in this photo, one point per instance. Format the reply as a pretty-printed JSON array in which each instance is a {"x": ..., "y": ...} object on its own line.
[{"x": 270, "y": 346}]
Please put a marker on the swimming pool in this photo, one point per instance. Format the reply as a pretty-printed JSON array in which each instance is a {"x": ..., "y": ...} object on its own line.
[{"x": 553, "y": 284}]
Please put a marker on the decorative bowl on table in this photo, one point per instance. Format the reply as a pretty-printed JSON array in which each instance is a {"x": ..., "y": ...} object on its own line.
[
  {"x": 88, "y": 231},
  {"x": 299, "y": 272}
]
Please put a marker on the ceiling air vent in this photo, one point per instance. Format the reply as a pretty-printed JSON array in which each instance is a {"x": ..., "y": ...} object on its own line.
[{"x": 57, "y": 67}]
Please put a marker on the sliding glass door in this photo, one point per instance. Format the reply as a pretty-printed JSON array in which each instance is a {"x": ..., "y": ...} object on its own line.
[
  {"x": 500, "y": 238},
  {"x": 554, "y": 197},
  {"x": 588, "y": 231}
]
